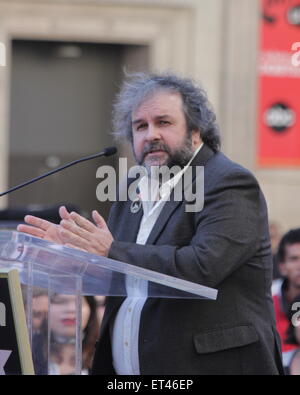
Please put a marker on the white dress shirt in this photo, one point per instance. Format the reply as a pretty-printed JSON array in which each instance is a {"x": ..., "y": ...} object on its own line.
[{"x": 125, "y": 336}]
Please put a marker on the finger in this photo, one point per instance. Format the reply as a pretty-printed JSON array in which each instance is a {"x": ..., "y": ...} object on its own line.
[
  {"x": 72, "y": 239},
  {"x": 74, "y": 228},
  {"x": 75, "y": 247},
  {"x": 99, "y": 220},
  {"x": 63, "y": 212},
  {"x": 82, "y": 222},
  {"x": 31, "y": 230},
  {"x": 37, "y": 222}
]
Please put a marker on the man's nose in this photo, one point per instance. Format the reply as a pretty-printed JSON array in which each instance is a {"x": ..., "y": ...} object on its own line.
[{"x": 153, "y": 133}]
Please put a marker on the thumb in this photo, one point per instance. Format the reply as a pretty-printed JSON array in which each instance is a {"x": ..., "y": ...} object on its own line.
[
  {"x": 63, "y": 212},
  {"x": 99, "y": 221}
]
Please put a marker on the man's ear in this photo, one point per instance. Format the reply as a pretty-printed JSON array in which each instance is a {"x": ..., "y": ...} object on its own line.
[
  {"x": 196, "y": 138},
  {"x": 282, "y": 269}
]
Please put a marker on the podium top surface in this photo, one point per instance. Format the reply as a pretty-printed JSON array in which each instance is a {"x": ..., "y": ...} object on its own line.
[{"x": 67, "y": 270}]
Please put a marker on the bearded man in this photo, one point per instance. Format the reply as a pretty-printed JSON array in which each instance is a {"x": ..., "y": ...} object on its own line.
[{"x": 224, "y": 245}]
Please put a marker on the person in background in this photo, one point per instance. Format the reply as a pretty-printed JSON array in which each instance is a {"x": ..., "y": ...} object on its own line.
[
  {"x": 40, "y": 307},
  {"x": 90, "y": 333},
  {"x": 293, "y": 337},
  {"x": 62, "y": 325},
  {"x": 40, "y": 302},
  {"x": 289, "y": 266},
  {"x": 101, "y": 302}
]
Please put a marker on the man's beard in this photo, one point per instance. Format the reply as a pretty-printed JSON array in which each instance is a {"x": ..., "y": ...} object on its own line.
[{"x": 180, "y": 157}]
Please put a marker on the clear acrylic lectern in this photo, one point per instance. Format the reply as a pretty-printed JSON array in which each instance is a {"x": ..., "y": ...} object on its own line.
[{"x": 63, "y": 275}]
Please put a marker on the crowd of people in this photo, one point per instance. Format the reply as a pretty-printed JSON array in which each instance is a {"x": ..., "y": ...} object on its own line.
[{"x": 286, "y": 294}]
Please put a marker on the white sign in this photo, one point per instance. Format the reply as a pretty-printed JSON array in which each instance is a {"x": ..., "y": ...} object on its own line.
[
  {"x": 2, "y": 55},
  {"x": 2, "y": 314}
]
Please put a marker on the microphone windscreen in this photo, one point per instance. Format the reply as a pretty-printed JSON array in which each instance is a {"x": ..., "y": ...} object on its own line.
[{"x": 110, "y": 151}]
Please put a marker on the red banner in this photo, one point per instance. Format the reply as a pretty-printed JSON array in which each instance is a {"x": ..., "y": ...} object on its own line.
[{"x": 279, "y": 84}]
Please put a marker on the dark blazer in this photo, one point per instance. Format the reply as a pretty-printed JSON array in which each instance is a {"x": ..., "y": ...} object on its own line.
[{"x": 225, "y": 246}]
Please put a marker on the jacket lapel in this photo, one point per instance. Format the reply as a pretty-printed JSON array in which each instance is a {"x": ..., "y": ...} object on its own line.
[{"x": 131, "y": 226}]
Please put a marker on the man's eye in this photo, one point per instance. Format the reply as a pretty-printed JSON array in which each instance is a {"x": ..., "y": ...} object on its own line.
[
  {"x": 164, "y": 122},
  {"x": 141, "y": 126}
]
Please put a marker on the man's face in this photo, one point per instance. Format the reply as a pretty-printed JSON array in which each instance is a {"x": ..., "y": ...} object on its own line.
[
  {"x": 159, "y": 132},
  {"x": 290, "y": 268}
]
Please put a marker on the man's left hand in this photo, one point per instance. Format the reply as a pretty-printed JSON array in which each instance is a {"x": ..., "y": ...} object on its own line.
[{"x": 80, "y": 233}]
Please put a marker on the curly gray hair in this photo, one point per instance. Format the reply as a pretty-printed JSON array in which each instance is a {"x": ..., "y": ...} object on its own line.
[{"x": 197, "y": 109}]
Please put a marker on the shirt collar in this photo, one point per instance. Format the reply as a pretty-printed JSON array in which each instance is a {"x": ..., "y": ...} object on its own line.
[
  {"x": 167, "y": 187},
  {"x": 149, "y": 188}
]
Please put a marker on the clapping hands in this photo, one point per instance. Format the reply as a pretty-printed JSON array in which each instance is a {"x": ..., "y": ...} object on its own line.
[{"x": 73, "y": 231}]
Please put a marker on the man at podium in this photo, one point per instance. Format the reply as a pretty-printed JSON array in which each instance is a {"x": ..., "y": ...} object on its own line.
[{"x": 222, "y": 242}]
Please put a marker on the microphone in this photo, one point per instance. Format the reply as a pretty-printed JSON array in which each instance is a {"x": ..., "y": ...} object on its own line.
[{"x": 106, "y": 152}]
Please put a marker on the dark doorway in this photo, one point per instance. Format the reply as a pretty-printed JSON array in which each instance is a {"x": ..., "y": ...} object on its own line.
[{"x": 61, "y": 100}]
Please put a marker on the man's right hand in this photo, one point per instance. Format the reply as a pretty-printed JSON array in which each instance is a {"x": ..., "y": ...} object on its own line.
[{"x": 44, "y": 229}]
